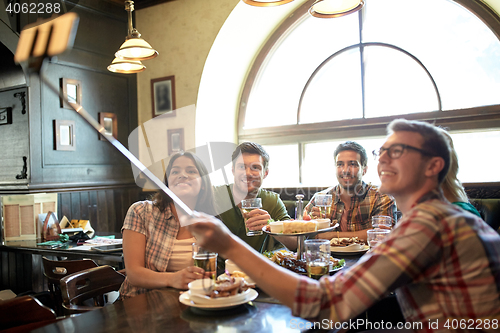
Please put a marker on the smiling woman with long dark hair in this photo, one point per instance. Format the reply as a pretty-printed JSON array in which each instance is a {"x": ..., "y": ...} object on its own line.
[{"x": 156, "y": 249}]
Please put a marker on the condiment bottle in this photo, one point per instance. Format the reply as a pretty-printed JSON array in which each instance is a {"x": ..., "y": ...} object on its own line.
[{"x": 299, "y": 210}]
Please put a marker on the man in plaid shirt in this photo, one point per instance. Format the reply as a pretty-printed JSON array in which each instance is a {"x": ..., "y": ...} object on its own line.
[
  {"x": 354, "y": 202},
  {"x": 442, "y": 262}
]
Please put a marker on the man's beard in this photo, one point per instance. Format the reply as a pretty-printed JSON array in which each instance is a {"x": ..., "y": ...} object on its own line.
[
  {"x": 255, "y": 189},
  {"x": 352, "y": 189}
]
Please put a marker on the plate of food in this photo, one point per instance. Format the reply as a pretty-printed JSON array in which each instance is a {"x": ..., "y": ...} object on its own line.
[
  {"x": 288, "y": 260},
  {"x": 185, "y": 299},
  {"x": 351, "y": 245},
  {"x": 225, "y": 293},
  {"x": 296, "y": 228}
]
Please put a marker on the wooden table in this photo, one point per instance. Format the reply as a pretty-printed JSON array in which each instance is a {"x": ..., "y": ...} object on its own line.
[
  {"x": 161, "y": 311},
  {"x": 21, "y": 263}
]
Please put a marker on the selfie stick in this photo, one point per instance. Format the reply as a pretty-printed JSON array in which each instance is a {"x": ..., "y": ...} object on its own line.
[{"x": 39, "y": 42}]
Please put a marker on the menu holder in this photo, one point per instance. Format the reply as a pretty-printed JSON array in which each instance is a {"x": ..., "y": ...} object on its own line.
[{"x": 51, "y": 228}]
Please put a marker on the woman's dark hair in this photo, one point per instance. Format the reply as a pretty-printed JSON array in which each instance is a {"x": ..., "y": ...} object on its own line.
[{"x": 205, "y": 201}]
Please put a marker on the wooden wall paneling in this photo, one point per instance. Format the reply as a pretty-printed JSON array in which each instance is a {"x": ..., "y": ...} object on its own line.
[
  {"x": 102, "y": 212},
  {"x": 84, "y": 206},
  {"x": 20, "y": 276},
  {"x": 12, "y": 271},
  {"x": 18, "y": 273},
  {"x": 121, "y": 199},
  {"x": 111, "y": 213},
  {"x": 4, "y": 270},
  {"x": 14, "y": 138},
  {"x": 36, "y": 270},
  {"x": 64, "y": 209},
  {"x": 93, "y": 215},
  {"x": 75, "y": 205}
]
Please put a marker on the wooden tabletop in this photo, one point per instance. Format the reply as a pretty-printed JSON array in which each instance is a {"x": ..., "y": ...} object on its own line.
[{"x": 161, "y": 311}]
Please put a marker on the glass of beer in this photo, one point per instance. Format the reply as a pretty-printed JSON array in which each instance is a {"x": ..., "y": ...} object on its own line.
[
  {"x": 205, "y": 259},
  {"x": 324, "y": 202},
  {"x": 247, "y": 205},
  {"x": 381, "y": 222},
  {"x": 317, "y": 254},
  {"x": 376, "y": 236}
]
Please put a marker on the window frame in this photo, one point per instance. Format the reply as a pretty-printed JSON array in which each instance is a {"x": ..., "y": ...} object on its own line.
[{"x": 484, "y": 117}]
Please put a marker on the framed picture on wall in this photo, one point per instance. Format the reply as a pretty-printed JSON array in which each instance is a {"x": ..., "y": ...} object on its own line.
[
  {"x": 110, "y": 124},
  {"x": 175, "y": 138},
  {"x": 72, "y": 90},
  {"x": 64, "y": 135},
  {"x": 163, "y": 96}
]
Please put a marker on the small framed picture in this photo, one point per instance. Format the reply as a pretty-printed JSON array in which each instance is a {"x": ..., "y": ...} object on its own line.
[
  {"x": 163, "y": 96},
  {"x": 64, "y": 135},
  {"x": 110, "y": 124},
  {"x": 72, "y": 91},
  {"x": 175, "y": 139},
  {"x": 5, "y": 116}
]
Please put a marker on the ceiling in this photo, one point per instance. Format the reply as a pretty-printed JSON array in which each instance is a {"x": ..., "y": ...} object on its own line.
[{"x": 140, "y": 4}]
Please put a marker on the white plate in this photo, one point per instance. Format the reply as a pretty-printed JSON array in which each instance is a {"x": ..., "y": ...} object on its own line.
[
  {"x": 336, "y": 269},
  {"x": 204, "y": 300},
  {"x": 302, "y": 233},
  {"x": 250, "y": 296},
  {"x": 351, "y": 249}
]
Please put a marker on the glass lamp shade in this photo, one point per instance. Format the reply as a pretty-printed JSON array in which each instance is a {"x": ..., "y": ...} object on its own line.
[
  {"x": 335, "y": 8},
  {"x": 126, "y": 66},
  {"x": 266, "y": 3},
  {"x": 136, "y": 48}
]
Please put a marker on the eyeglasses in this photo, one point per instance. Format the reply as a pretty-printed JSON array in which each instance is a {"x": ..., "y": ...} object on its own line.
[{"x": 396, "y": 150}]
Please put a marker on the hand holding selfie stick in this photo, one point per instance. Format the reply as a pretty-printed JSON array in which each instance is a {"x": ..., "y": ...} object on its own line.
[{"x": 40, "y": 41}]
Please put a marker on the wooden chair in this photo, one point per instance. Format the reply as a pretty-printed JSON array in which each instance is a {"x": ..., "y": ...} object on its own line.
[
  {"x": 91, "y": 283},
  {"x": 23, "y": 314},
  {"x": 55, "y": 270}
]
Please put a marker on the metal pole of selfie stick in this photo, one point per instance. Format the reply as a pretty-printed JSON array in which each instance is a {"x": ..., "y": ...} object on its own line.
[
  {"x": 117, "y": 144},
  {"x": 42, "y": 40}
]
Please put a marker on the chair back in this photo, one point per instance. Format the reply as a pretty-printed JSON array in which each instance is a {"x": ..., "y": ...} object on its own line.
[
  {"x": 21, "y": 314},
  {"x": 55, "y": 270},
  {"x": 91, "y": 283}
]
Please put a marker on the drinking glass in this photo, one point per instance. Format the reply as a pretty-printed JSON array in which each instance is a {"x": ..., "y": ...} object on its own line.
[
  {"x": 382, "y": 222},
  {"x": 376, "y": 236},
  {"x": 205, "y": 259},
  {"x": 317, "y": 254},
  {"x": 247, "y": 205},
  {"x": 324, "y": 202}
]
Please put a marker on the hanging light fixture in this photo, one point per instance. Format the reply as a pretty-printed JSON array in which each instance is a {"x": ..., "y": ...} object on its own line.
[
  {"x": 266, "y": 3},
  {"x": 126, "y": 66},
  {"x": 134, "y": 47},
  {"x": 133, "y": 50},
  {"x": 335, "y": 8}
]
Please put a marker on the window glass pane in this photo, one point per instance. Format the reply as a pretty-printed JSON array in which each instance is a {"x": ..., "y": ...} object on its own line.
[
  {"x": 473, "y": 147},
  {"x": 283, "y": 166},
  {"x": 396, "y": 84},
  {"x": 335, "y": 91},
  {"x": 279, "y": 84},
  {"x": 318, "y": 167},
  {"x": 455, "y": 46}
]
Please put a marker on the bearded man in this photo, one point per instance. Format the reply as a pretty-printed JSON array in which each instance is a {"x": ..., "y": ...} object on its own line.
[{"x": 353, "y": 201}]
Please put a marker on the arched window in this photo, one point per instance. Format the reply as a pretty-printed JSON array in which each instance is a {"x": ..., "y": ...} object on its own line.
[{"x": 319, "y": 82}]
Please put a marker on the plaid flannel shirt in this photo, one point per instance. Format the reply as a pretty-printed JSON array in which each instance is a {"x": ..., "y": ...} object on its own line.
[
  {"x": 160, "y": 229},
  {"x": 366, "y": 203},
  {"x": 443, "y": 263}
]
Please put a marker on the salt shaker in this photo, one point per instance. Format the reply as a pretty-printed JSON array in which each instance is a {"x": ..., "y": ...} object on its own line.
[{"x": 299, "y": 210}]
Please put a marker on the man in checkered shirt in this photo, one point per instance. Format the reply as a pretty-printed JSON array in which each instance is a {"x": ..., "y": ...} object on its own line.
[{"x": 442, "y": 262}]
